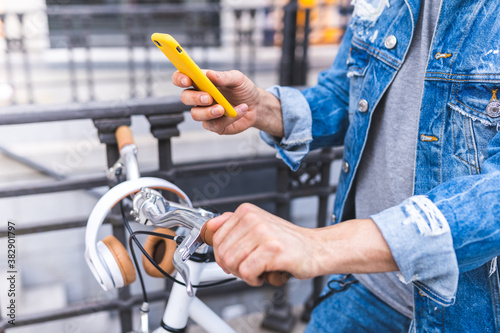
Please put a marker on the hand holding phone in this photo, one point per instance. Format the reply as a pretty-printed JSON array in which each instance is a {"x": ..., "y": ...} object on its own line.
[{"x": 183, "y": 62}]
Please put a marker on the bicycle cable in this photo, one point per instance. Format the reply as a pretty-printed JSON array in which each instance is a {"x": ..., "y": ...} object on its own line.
[
  {"x": 144, "y": 252},
  {"x": 137, "y": 268}
]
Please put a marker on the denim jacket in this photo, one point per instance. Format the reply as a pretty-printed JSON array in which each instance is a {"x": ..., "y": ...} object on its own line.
[{"x": 446, "y": 237}]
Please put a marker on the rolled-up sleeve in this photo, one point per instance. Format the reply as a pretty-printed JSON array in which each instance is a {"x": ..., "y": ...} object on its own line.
[
  {"x": 421, "y": 243},
  {"x": 297, "y": 120}
]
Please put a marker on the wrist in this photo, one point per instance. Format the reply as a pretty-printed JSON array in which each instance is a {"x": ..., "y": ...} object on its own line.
[
  {"x": 355, "y": 246},
  {"x": 269, "y": 117}
]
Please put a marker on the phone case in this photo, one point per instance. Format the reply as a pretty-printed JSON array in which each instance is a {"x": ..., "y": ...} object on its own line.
[{"x": 183, "y": 62}]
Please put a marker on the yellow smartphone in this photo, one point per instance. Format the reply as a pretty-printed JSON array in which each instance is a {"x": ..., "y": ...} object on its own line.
[{"x": 183, "y": 62}]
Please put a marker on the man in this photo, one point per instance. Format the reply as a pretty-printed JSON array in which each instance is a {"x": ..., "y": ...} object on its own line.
[{"x": 412, "y": 96}]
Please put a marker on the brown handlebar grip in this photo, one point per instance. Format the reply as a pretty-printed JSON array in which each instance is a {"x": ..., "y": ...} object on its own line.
[
  {"x": 124, "y": 136},
  {"x": 206, "y": 235},
  {"x": 276, "y": 278},
  {"x": 273, "y": 278}
]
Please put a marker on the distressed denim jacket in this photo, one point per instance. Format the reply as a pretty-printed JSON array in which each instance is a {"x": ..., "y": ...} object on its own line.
[{"x": 446, "y": 237}]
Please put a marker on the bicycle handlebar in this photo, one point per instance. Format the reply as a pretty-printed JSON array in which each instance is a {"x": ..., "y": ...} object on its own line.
[
  {"x": 124, "y": 136},
  {"x": 276, "y": 279}
]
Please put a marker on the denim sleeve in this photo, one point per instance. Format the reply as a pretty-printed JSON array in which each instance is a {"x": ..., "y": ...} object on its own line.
[
  {"x": 454, "y": 228},
  {"x": 316, "y": 117},
  {"x": 294, "y": 146}
]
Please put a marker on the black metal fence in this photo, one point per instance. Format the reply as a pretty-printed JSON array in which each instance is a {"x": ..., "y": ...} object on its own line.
[{"x": 278, "y": 186}]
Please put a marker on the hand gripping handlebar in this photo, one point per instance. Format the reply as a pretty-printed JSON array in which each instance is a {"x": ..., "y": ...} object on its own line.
[{"x": 273, "y": 278}]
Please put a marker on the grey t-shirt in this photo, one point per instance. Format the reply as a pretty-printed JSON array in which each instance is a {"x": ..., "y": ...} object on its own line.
[{"x": 386, "y": 170}]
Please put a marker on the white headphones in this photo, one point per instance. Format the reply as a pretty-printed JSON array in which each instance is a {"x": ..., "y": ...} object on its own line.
[{"x": 108, "y": 259}]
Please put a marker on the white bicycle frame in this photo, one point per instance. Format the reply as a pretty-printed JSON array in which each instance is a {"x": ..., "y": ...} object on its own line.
[{"x": 181, "y": 306}]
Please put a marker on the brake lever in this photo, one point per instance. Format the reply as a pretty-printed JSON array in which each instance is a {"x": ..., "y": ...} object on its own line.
[
  {"x": 182, "y": 254},
  {"x": 151, "y": 208},
  {"x": 189, "y": 245}
]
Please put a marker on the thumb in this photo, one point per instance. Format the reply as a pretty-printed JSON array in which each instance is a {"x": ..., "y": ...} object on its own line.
[{"x": 226, "y": 79}]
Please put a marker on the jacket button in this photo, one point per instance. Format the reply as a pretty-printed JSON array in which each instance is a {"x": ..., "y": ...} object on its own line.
[
  {"x": 334, "y": 218},
  {"x": 390, "y": 42},
  {"x": 363, "y": 105},
  {"x": 493, "y": 109},
  {"x": 345, "y": 167}
]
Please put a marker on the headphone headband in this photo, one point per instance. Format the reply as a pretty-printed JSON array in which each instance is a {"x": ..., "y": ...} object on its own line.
[{"x": 102, "y": 209}]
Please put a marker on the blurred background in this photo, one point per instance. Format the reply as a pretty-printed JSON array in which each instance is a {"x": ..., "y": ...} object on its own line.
[{"x": 71, "y": 71}]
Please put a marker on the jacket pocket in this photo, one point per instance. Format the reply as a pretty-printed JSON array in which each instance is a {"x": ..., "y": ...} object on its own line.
[
  {"x": 357, "y": 65},
  {"x": 475, "y": 120},
  {"x": 357, "y": 62}
]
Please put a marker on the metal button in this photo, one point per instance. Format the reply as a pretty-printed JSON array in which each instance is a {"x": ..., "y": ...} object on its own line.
[
  {"x": 493, "y": 109},
  {"x": 363, "y": 105},
  {"x": 334, "y": 218},
  {"x": 345, "y": 167},
  {"x": 390, "y": 42}
]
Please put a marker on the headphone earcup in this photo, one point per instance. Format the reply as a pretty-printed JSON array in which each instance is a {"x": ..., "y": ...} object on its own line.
[
  {"x": 125, "y": 274},
  {"x": 162, "y": 251}
]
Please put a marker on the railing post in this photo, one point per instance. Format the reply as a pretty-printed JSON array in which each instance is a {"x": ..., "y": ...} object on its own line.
[
  {"x": 293, "y": 63},
  {"x": 106, "y": 130},
  {"x": 163, "y": 128}
]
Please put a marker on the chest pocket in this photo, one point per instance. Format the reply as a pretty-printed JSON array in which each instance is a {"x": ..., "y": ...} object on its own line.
[
  {"x": 475, "y": 121},
  {"x": 357, "y": 65}
]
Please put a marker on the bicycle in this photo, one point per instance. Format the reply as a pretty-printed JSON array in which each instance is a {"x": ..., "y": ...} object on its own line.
[{"x": 187, "y": 253}]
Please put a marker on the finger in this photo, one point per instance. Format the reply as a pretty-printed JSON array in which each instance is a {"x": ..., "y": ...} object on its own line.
[
  {"x": 237, "y": 236},
  {"x": 224, "y": 224},
  {"x": 215, "y": 223},
  {"x": 221, "y": 124},
  {"x": 252, "y": 269},
  {"x": 239, "y": 242},
  {"x": 181, "y": 80},
  {"x": 195, "y": 97},
  {"x": 210, "y": 113}
]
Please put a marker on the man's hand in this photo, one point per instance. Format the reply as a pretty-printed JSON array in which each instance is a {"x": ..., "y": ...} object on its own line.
[
  {"x": 251, "y": 241},
  {"x": 254, "y": 106}
]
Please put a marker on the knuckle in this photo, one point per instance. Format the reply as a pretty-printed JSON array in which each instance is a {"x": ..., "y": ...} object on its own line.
[
  {"x": 235, "y": 72},
  {"x": 184, "y": 97},
  {"x": 195, "y": 115},
  {"x": 245, "y": 208},
  {"x": 260, "y": 229},
  {"x": 223, "y": 260},
  {"x": 246, "y": 273},
  {"x": 230, "y": 263},
  {"x": 273, "y": 246}
]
